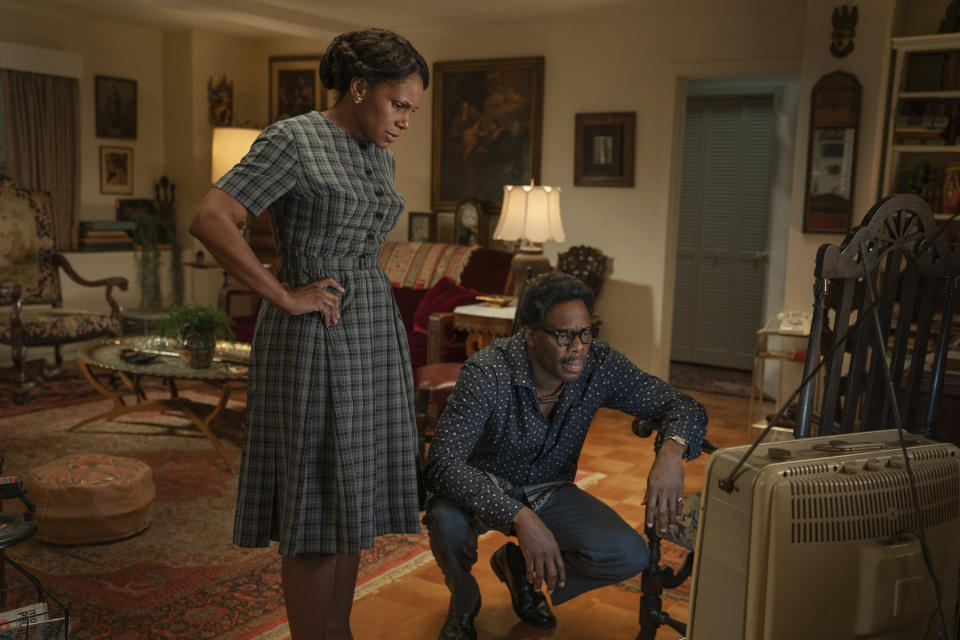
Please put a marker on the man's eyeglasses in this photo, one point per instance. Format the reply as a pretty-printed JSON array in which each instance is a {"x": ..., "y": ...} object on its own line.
[{"x": 564, "y": 337}]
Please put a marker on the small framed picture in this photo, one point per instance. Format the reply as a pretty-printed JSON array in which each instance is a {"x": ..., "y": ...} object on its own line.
[
  {"x": 116, "y": 110},
  {"x": 603, "y": 152},
  {"x": 116, "y": 170},
  {"x": 423, "y": 227},
  {"x": 295, "y": 86}
]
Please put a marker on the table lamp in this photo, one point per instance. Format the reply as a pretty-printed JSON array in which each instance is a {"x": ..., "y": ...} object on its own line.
[
  {"x": 229, "y": 146},
  {"x": 529, "y": 215}
]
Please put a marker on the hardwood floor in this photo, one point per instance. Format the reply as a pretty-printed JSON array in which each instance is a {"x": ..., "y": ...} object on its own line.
[{"x": 414, "y": 607}]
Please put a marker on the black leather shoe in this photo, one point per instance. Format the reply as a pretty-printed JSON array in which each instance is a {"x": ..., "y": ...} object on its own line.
[
  {"x": 530, "y": 606},
  {"x": 459, "y": 626}
]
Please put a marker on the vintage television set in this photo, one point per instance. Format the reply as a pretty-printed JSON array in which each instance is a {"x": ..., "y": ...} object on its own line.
[{"x": 814, "y": 542}]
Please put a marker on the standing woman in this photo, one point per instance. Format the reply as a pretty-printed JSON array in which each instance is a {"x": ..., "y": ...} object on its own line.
[{"x": 330, "y": 445}]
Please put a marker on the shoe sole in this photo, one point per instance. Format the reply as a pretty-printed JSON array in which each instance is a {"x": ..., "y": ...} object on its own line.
[{"x": 499, "y": 572}]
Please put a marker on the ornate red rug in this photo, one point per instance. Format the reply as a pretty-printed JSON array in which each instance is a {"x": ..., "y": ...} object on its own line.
[{"x": 182, "y": 577}]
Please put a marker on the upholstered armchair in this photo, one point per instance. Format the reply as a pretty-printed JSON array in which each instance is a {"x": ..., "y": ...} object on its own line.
[{"x": 30, "y": 286}]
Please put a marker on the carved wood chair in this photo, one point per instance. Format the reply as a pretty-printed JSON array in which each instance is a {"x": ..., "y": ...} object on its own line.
[
  {"x": 587, "y": 263},
  {"x": 30, "y": 286},
  {"x": 896, "y": 258}
]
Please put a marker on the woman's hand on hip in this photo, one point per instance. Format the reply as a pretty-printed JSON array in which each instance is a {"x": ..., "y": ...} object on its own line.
[{"x": 317, "y": 296}]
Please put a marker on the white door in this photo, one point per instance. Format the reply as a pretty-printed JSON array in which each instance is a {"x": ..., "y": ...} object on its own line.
[{"x": 722, "y": 242}]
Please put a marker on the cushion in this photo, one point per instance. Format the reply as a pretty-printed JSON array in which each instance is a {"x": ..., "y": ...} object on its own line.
[
  {"x": 87, "y": 498},
  {"x": 419, "y": 265},
  {"x": 53, "y": 326},
  {"x": 443, "y": 296}
]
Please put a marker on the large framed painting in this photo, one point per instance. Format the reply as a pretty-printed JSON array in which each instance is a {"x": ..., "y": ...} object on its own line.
[
  {"x": 116, "y": 110},
  {"x": 487, "y": 128},
  {"x": 295, "y": 86}
]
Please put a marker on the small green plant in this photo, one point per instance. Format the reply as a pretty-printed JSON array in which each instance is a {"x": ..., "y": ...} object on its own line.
[{"x": 184, "y": 319}]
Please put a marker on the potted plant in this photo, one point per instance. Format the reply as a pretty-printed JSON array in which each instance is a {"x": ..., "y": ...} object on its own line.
[
  {"x": 196, "y": 328},
  {"x": 150, "y": 234}
]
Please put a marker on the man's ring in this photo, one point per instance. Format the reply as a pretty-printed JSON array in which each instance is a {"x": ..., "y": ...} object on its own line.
[{"x": 680, "y": 500}]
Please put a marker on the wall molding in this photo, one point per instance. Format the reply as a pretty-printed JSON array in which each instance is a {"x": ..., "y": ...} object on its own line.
[{"x": 18, "y": 57}]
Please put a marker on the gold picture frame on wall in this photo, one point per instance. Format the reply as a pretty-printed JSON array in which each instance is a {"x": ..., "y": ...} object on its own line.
[
  {"x": 116, "y": 170},
  {"x": 295, "y": 86},
  {"x": 487, "y": 128}
]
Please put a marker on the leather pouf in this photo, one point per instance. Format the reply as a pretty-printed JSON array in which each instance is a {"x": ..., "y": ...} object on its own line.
[{"x": 87, "y": 498}]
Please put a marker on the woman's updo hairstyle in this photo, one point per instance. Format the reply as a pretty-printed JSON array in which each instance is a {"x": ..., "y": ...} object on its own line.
[{"x": 373, "y": 55}]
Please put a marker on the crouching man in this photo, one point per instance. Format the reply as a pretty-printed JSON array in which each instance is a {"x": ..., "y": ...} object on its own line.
[{"x": 505, "y": 454}]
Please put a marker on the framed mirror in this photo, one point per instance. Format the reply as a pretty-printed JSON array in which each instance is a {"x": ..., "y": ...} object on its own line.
[{"x": 832, "y": 153}]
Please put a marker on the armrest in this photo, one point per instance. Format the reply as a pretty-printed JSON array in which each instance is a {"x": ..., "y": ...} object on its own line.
[
  {"x": 109, "y": 283},
  {"x": 14, "y": 292},
  {"x": 437, "y": 328}
]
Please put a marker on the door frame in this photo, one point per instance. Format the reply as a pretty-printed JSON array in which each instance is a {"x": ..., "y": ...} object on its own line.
[{"x": 784, "y": 89}]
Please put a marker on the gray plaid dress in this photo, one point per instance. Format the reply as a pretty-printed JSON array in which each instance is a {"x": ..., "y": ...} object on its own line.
[{"x": 330, "y": 444}]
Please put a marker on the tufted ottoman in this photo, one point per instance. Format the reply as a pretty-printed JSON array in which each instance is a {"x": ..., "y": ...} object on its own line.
[{"x": 87, "y": 498}]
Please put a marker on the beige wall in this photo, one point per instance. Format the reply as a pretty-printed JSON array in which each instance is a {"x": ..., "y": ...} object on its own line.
[{"x": 630, "y": 59}]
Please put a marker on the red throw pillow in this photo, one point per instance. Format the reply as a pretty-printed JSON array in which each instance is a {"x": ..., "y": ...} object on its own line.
[{"x": 445, "y": 295}]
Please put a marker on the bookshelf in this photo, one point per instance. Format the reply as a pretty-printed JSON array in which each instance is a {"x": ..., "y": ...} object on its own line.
[{"x": 923, "y": 129}]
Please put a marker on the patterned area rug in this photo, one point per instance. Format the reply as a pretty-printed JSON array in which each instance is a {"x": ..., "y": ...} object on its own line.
[
  {"x": 730, "y": 382},
  {"x": 671, "y": 555},
  {"x": 182, "y": 577}
]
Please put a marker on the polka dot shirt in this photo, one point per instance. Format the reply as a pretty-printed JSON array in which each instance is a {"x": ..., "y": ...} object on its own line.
[{"x": 493, "y": 425}]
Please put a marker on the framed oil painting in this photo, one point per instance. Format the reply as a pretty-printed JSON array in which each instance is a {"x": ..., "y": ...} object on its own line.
[
  {"x": 116, "y": 110},
  {"x": 295, "y": 86},
  {"x": 423, "y": 227},
  {"x": 603, "y": 151},
  {"x": 116, "y": 170},
  {"x": 487, "y": 128}
]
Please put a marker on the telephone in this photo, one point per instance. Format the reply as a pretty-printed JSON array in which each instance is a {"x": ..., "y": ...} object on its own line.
[{"x": 795, "y": 322}]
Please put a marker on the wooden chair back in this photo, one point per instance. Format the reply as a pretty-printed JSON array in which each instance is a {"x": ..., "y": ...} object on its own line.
[{"x": 897, "y": 258}]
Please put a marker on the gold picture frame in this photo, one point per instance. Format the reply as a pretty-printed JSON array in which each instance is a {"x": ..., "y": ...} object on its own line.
[
  {"x": 116, "y": 170},
  {"x": 487, "y": 128},
  {"x": 295, "y": 86}
]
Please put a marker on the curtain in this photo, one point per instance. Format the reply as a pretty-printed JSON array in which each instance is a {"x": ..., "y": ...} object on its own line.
[{"x": 41, "y": 136}]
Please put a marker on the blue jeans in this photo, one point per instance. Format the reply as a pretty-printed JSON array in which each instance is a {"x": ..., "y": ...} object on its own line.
[{"x": 597, "y": 545}]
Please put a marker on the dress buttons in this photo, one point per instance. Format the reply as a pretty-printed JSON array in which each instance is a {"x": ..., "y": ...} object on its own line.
[
  {"x": 363, "y": 146},
  {"x": 379, "y": 214},
  {"x": 379, "y": 192},
  {"x": 369, "y": 172},
  {"x": 369, "y": 236}
]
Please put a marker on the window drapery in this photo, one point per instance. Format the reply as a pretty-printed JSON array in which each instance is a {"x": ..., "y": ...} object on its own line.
[{"x": 41, "y": 142}]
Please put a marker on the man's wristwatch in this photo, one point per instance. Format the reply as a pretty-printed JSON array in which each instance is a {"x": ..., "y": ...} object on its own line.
[{"x": 679, "y": 440}]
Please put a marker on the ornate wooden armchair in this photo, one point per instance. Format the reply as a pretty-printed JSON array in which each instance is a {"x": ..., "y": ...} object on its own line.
[
  {"x": 895, "y": 258},
  {"x": 587, "y": 263},
  {"x": 30, "y": 285}
]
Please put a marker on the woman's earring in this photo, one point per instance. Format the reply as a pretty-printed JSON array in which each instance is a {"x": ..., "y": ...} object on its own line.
[{"x": 358, "y": 98}]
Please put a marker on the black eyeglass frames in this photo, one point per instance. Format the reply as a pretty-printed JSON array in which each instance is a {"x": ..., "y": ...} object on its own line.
[{"x": 564, "y": 337}]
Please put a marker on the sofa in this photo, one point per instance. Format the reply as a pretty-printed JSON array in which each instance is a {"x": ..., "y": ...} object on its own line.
[{"x": 434, "y": 277}]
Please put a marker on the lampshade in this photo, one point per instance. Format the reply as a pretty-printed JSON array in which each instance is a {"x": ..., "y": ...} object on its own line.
[
  {"x": 229, "y": 146},
  {"x": 530, "y": 213}
]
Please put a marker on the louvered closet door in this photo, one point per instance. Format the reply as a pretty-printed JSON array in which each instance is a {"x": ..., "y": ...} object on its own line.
[{"x": 722, "y": 243}]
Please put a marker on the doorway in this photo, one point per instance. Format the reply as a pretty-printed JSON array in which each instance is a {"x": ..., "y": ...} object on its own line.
[{"x": 724, "y": 217}]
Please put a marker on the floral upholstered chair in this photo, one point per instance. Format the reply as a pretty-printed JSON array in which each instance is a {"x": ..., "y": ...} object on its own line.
[{"x": 30, "y": 285}]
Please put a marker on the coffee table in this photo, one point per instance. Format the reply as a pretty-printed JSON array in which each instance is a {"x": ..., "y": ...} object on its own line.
[{"x": 229, "y": 370}]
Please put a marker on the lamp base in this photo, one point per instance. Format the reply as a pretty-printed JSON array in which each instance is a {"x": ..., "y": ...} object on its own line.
[{"x": 527, "y": 264}]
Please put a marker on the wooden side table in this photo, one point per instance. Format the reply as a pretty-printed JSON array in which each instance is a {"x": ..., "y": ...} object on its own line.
[{"x": 483, "y": 324}]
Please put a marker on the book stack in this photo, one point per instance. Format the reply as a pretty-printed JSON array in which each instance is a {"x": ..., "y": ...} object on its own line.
[{"x": 106, "y": 235}]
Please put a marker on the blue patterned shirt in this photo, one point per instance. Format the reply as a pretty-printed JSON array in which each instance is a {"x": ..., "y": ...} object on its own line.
[{"x": 493, "y": 425}]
